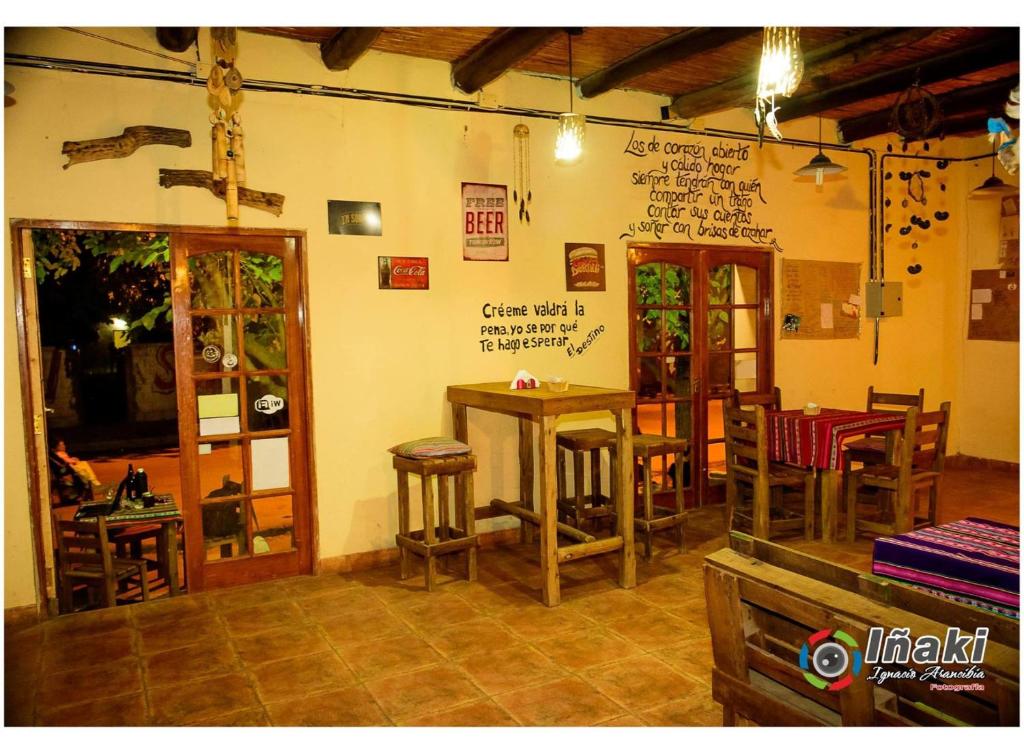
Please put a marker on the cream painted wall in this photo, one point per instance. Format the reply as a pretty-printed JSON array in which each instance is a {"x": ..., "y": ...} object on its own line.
[{"x": 381, "y": 359}]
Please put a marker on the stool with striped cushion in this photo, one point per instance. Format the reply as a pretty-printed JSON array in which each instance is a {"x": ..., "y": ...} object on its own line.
[{"x": 443, "y": 458}]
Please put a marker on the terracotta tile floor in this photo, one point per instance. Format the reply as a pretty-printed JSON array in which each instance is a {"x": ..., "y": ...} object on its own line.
[{"x": 365, "y": 649}]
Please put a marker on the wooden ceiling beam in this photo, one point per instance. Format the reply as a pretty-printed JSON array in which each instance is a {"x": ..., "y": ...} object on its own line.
[
  {"x": 990, "y": 96},
  {"x": 497, "y": 54},
  {"x": 672, "y": 49},
  {"x": 347, "y": 46},
  {"x": 1002, "y": 47},
  {"x": 819, "y": 63},
  {"x": 177, "y": 38}
]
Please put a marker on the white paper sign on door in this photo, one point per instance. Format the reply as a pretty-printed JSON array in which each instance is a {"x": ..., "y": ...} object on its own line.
[{"x": 270, "y": 463}]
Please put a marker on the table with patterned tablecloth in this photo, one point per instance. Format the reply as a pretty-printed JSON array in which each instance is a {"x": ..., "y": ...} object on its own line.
[{"x": 817, "y": 440}]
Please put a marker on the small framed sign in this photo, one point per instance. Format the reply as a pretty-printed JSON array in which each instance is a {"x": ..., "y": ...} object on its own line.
[
  {"x": 584, "y": 267},
  {"x": 484, "y": 222},
  {"x": 407, "y": 273},
  {"x": 354, "y": 218}
]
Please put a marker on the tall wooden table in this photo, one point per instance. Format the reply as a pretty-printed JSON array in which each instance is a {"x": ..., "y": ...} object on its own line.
[
  {"x": 542, "y": 407},
  {"x": 817, "y": 440}
]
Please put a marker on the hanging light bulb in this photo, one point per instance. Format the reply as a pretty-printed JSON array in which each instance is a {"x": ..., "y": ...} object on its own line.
[
  {"x": 782, "y": 64},
  {"x": 820, "y": 165},
  {"x": 782, "y": 67},
  {"x": 571, "y": 126}
]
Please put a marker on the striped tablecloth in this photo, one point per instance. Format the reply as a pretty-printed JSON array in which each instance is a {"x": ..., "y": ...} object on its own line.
[
  {"x": 973, "y": 561},
  {"x": 802, "y": 440}
]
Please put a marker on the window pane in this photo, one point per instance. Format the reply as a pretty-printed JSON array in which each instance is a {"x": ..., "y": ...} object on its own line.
[
  {"x": 678, "y": 376},
  {"x": 220, "y": 469},
  {"x": 745, "y": 374},
  {"x": 268, "y": 402},
  {"x": 677, "y": 285},
  {"x": 719, "y": 332},
  {"x": 744, "y": 285},
  {"x": 214, "y": 344},
  {"x": 262, "y": 279},
  {"x": 273, "y": 524},
  {"x": 720, "y": 284},
  {"x": 648, "y": 331},
  {"x": 677, "y": 331},
  {"x": 224, "y": 530},
  {"x": 648, "y": 284},
  {"x": 217, "y": 406},
  {"x": 649, "y": 418},
  {"x": 720, "y": 372},
  {"x": 744, "y": 328},
  {"x": 650, "y": 378},
  {"x": 265, "y": 341},
  {"x": 211, "y": 280}
]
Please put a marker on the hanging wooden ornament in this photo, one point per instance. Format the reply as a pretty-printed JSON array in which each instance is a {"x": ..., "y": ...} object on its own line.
[
  {"x": 521, "y": 193},
  {"x": 223, "y": 84}
]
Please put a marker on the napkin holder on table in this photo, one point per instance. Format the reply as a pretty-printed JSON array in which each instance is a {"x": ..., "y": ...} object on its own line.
[{"x": 523, "y": 381}]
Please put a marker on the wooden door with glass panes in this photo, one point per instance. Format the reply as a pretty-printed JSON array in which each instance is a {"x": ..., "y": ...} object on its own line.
[
  {"x": 240, "y": 358},
  {"x": 699, "y": 327}
]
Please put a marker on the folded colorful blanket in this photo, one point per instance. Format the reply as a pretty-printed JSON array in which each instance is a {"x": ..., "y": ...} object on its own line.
[{"x": 974, "y": 561}]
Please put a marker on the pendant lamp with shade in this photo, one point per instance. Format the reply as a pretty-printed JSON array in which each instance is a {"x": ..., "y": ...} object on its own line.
[
  {"x": 571, "y": 125},
  {"x": 820, "y": 165},
  {"x": 993, "y": 185}
]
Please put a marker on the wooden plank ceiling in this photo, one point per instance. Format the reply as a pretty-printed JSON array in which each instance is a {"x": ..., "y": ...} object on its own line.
[{"x": 853, "y": 74}]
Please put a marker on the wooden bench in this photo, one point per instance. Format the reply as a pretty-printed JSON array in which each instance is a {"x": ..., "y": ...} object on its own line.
[{"x": 765, "y": 602}]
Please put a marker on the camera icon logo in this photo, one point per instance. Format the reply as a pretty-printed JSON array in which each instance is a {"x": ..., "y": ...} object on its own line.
[{"x": 830, "y": 659}]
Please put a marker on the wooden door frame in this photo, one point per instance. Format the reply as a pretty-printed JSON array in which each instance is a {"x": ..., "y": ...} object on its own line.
[
  {"x": 698, "y": 329},
  {"x": 23, "y": 260}
]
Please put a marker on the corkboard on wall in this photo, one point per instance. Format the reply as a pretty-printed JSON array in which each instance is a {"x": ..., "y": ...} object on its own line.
[
  {"x": 994, "y": 305},
  {"x": 820, "y": 300}
]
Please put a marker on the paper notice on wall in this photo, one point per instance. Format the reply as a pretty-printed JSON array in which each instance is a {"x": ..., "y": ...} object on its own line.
[
  {"x": 225, "y": 404},
  {"x": 826, "y": 317},
  {"x": 976, "y": 311},
  {"x": 270, "y": 464},
  {"x": 219, "y": 425},
  {"x": 981, "y": 296}
]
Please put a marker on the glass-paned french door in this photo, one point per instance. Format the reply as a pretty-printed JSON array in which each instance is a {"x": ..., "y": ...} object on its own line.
[
  {"x": 242, "y": 421},
  {"x": 700, "y": 327}
]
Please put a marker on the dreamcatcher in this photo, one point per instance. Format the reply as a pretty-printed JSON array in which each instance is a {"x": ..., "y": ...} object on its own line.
[
  {"x": 916, "y": 114},
  {"x": 521, "y": 193}
]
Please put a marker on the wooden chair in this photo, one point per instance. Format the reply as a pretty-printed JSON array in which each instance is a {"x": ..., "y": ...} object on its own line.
[
  {"x": 582, "y": 510},
  {"x": 655, "y": 517},
  {"x": 920, "y": 460},
  {"x": 432, "y": 542},
  {"x": 772, "y": 401},
  {"x": 83, "y": 554},
  {"x": 746, "y": 460},
  {"x": 873, "y": 448}
]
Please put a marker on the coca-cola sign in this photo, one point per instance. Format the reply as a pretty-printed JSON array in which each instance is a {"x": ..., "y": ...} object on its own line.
[{"x": 409, "y": 273}]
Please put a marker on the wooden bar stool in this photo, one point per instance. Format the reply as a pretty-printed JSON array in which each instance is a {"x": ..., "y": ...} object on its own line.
[
  {"x": 583, "y": 508},
  {"x": 432, "y": 541},
  {"x": 654, "y": 517}
]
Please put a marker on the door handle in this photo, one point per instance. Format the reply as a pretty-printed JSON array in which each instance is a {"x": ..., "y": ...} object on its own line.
[{"x": 696, "y": 385}]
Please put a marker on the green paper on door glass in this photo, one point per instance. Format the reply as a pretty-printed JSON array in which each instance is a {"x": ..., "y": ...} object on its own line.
[{"x": 211, "y": 406}]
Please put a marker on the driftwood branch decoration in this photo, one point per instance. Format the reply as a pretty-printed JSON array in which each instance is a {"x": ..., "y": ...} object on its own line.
[
  {"x": 113, "y": 147},
  {"x": 265, "y": 200}
]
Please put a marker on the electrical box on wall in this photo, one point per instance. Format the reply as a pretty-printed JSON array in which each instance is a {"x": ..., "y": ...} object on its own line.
[{"x": 883, "y": 299}]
